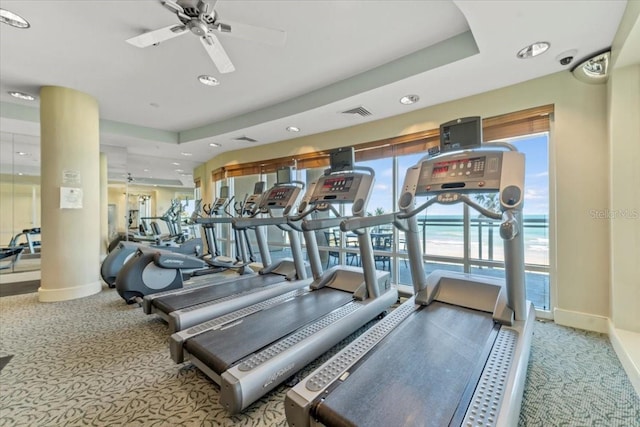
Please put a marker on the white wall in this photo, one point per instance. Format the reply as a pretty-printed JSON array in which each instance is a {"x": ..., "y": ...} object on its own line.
[{"x": 623, "y": 215}]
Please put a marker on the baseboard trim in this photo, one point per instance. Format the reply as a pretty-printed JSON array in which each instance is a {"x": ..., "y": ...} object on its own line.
[
  {"x": 65, "y": 294},
  {"x": 23, "y": 276},
  {"x": 627, "y": 346},
  {"x": 576, "y": 319}
]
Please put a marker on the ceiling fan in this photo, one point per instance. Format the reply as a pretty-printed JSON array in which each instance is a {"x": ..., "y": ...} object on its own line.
[{"x": 200, "y": 18}]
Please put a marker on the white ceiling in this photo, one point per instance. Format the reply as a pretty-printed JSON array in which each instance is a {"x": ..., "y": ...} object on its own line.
[{"x": 338, "y": 55}]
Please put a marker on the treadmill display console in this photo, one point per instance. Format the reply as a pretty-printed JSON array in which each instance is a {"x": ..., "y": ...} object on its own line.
[
  {"x": 218, "y": 203},
  {"x": 460, "y": 173},
  {"x": 278, "y": 197},
  {"x": 342, "y": 188},
  {"x": 340, "y": 185},
  {"x": 462, "y": 167}
]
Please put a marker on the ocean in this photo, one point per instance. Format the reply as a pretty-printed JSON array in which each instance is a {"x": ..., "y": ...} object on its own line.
[{"x": 443, "y": 235}]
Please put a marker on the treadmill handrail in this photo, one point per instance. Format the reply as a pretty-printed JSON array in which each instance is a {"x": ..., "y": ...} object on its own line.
[
  {"x": 321, "y": 223},
  {"x": 247, "y": 222},
  {"x": 457, "y": 199},
  {"x": 328, "y": 171},
  {"x": 357, "y": 223}
]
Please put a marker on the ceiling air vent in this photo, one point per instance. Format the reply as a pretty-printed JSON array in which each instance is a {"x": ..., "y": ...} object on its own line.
[
  {"x": 245, "y": 139},
  {"x": 358, "y": 110}
]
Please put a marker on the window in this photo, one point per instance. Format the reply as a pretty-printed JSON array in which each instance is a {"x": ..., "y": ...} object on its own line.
[
  {"x": 443, "y": 228},
  {"x": 453, "y": 237}
]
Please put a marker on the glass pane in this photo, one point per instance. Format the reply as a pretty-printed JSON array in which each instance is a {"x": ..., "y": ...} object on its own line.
[
  {"x": 536, "y": 207},
  {"x": 484, "y": 233},
  {"x": 382, "y": 197}
]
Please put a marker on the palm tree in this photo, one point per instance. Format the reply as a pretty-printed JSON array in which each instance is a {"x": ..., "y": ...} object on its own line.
[
  {"x": 489, "y": 201},
  {"x": 492, "y": 202}
]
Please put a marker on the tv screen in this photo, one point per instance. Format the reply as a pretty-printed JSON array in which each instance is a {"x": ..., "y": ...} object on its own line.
[
  {"x": 283, "y": 175},
  {"x": 258, "y": 187},
  {"x": 341, "y": 159},
  {"x": 461, "y": 134}
]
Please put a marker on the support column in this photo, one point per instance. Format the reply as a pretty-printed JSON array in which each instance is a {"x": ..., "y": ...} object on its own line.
[
  {"x": 104, "y": 206},
  {"x": 70, "y": 189}
]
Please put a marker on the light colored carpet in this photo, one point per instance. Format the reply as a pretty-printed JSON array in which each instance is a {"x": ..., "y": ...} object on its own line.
[{"x": 96, "y": 361}]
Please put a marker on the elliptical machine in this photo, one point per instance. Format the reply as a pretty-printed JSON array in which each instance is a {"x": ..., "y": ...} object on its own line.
[
  {"x": 152, "y": 270},
  {"x": 121, "y": 251}
]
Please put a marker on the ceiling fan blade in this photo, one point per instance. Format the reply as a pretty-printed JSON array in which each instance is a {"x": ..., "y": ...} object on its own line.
[
  {"x": 217, "y": 53},
  {"x": 175, "y": 8},
  {"x": 157, "y": 36},
  {"x": 251, "y": 32},
  {"x": 172, "y": 6}
]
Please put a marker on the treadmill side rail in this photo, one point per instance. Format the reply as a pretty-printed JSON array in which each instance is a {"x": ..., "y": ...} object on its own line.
[
  {"x": 503, "y": 408},
  {"x": 302, "y": 396},
  {"x": 242, "y": 384},
  {"x": 194, "y": 315},
  {"x": 176, "y": 341}
]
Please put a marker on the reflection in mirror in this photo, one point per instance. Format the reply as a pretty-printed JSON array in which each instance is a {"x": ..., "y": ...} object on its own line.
[{"x": 20, "y": 202}]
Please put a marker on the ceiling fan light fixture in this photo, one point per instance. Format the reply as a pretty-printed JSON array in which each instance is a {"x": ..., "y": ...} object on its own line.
[
  {"x": 22, "y": 95},
  {"x": 208, "y": 80},
  {"x": 293, "y": 129},
  {"x": 594, "y": 69},
  {"x": 534, "y": 49},
  {"x": 409, "y": 99},
  {"x": 10, "y": 18}
]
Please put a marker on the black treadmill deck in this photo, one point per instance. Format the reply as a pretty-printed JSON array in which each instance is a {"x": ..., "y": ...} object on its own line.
[
  {"x": 417, "y": 375},
  {"x": 220, "y": 349},
  {"x": 170, "y": 303}
]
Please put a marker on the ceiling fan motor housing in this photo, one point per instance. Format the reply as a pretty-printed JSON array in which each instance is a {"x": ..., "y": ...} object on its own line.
[
  {"x": 198, "y": 28},
  {"x": 199, "y": 9}
]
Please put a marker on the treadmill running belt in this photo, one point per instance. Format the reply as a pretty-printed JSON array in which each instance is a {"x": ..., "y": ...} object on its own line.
[
  {"x": 220, "y": 349},
  {"x": 170, "y": 303},
  {"x": 418, "y": 373}
]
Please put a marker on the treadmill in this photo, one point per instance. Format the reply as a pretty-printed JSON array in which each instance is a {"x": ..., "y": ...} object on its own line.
[
  {"x": 456, "y": 352},
  {"x": 186, "y": 307},
  {"x": 249, "y": 355}
]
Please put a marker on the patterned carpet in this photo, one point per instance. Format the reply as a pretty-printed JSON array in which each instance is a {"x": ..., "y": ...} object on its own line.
[{"x": 98, "y": 362}]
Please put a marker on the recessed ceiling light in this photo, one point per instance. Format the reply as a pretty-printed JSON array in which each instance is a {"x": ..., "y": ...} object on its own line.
[
  {"x": 21, "y": 153},
  {"x": 208, "y": 80},
  {"x": 214, "y": 144},
  {"x": 175, "y": 164},
  {"x": 179, "y": 170},
  {"x": 145, "y": 170},
  {"x": 293, "y": 129},
  {"x": 409, "y": 99},
  {"x": 12, "y": 19},
  {"x": 184, "y": 153},
  {"x": 533, "y": 49},
  {"x": 19, "y": 173},
  {"x": 22, "y": 95}
]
